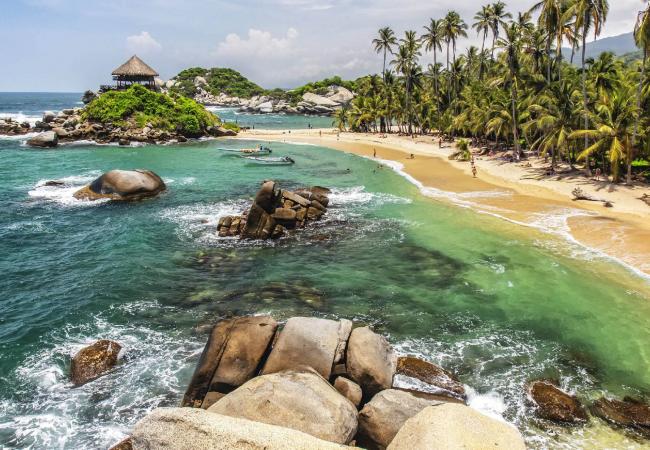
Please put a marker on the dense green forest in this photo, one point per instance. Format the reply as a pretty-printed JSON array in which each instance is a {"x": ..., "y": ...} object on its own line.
[{"x": 518, "y": 92}]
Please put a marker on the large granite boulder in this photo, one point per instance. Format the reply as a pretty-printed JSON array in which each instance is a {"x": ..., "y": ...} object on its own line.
[
  {"x": 450, "y": 426},
  {"x": 123, "y": 185},
  {"x": 436, "y": 379},
  {"x": 318, "y": 100},
  {"x": 88, "y": 97},
  {"x": 93, "y": 361},
  {"x": 349, "y": 389},
  {"x": 383, "y": 416},
  {"x": 627, "y": 413},
  {"x": 340, "y": 95},
  {"x": 554, "y": 404},
  {"x": 309, "y": 342},
  {"x": 370, "y": 361},
  {"x": 196, "y": 429},
  {"x": 232, "y": 356},
  {"x": 303, "y": 401},
  {"x": 47, "y": 139}
]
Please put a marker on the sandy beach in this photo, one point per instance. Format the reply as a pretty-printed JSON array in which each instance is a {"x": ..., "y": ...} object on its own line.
[{"x": 518, "y": 192}]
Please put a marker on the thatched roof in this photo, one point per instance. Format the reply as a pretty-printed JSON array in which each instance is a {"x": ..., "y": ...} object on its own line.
[{"x": 135, "y": 67}]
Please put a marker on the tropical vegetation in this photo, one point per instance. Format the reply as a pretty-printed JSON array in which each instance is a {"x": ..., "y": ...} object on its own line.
[
  {"x": 519, "y": 92},
  {"x": 142, "y": 106}
]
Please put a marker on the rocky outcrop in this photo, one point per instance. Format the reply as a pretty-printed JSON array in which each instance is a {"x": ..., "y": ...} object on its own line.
[
  {"x": 69, "y": 125},
  {"x": 123, "y": 185},
  {"x": 234, "y": 352},
  {"x": 192, "y": 429},
  {"x": 47, "y": 139},
  {"x": 383, "y": 416},
  {"x": 370, "y": 361},
  {"x": 308, "y": 342},
  {"x": 450, "y": 426},
  {"x": 303, "y": 401},
  {"x": 554, "y": 404},
  {"x": 11, "y": 127},
  {"x": 93, "y": 361},
  {"x": 627, "y": 413},
  {"x": 276, "y": 211},
  {"x": 436, "y": 379},
  {"x": 310, "y": 103}
]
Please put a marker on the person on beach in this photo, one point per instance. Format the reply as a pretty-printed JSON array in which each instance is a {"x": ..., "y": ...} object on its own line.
[
  {"x": 473, "y": 167},
  {"x": 374, "y": 152},
  {"x": 320, "y": 133},
  {"x": 598, "y": 173},
  {"x": 412, "y": 156}
]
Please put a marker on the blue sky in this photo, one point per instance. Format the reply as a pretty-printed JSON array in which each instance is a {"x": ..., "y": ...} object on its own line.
[{"x": 73, "y": 45}]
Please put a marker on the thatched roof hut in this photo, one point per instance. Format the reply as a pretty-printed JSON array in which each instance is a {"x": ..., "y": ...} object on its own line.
[{"x": 134, "y": 71}]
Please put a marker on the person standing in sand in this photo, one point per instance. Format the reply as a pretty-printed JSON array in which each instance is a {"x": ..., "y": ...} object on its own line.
[
  {"x": 474, "y": 171},
  {"x": 374, "y": 152}
]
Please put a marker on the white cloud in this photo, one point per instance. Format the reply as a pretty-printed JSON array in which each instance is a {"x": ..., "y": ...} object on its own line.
[
  {"x": 258, "y": 43},
  {"x": 142, "y": 43}
]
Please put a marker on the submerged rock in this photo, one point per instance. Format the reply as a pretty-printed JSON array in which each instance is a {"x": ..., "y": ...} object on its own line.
[
  {"x": 93, "y": 361},
  {"x": 443, "y": 382},
  {"x": 450, "y": 426},
  {"x": 628, "y": 413},
  {"x": 192, "y": 429},
  {"x": 555, "y": 404},
  {"x": 123, "y": 185},
  {"x": 370, "y": 361},
  {"x": 303, "y": 401},
  {"x": 47, "y": 139}
]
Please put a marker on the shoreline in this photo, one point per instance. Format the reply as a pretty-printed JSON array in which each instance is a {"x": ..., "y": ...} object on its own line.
[{"x": 510, "y": 191}]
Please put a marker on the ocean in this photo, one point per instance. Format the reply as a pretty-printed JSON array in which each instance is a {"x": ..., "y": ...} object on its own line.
[{"x": 497, "y": 303}]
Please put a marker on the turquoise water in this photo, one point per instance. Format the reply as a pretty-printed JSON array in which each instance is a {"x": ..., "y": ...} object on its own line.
[
  {"x": 272, "y": 121},
  {"x": 496, "y": 303}
]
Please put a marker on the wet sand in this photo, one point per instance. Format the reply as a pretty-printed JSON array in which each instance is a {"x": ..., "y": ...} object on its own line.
[{"x": 517, "y": 192}]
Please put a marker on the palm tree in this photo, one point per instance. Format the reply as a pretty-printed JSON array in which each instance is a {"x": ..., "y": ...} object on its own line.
[
  {"x": 341, "y": 117},
  {"x": 642, "y": 39},
  {"x": 613, "y": 130},
  {"x": 405, "y": 63},
  {"x": 433, "y": 39},
  {"x": 483, "y": 20},
  {"x": 588, "y": 14},
  {"x": 552, "y": 116},
  {"x": 454, "y": 27},
  {"x": 384, "y": 43},
  {"x": 511, "y": 44},
  {"x": 498, "y": 19},
  {"x": 550, "y": 14}
]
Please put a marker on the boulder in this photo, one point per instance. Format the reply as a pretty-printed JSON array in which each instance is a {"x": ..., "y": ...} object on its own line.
[
  {"x": 450, "y": 426},
  {"x": 295, "y": 198},
  {"x": 88, "y": 97},
  {"x": 554, "y": 404},
  {"x": 628, "y": 413},
  {"x": 383, "y": 416},
  {"x": 93, "y": 361},
  {"x": 307, "y": 342},
  {"x": 125, "y": 185},
  {"x": 441, "y": 381},
  {"x": 340, "y": 95},
  {"x": 349, "y": 389},
  {"x": 266, "y": 107},
  {"x": 303, "y": 401},
  {"x": 194, "y": 429},
  {"x": 268, "y": 197},
  {"x": 370, "y": 361},
  {"x": 47, "y": 139},
  {"x": 211, "y": 398},
  {"x": 284, "y": 215},
  {"x": 318, "y": 100},
  {"x": 124, "y": 444},
  {"x": 48, "y": 116},
  {"x": 257, "y": 222},
  {"x": 231, "y": 357}
]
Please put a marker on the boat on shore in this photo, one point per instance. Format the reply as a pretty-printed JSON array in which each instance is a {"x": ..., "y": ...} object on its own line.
[{"x": 280, "y": 161}]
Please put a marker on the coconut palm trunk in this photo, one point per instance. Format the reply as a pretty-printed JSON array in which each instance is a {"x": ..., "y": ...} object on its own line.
[{"x": 585, "y": 100}]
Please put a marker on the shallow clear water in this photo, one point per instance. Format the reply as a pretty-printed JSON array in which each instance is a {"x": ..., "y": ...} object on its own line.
[
  {"x": 272, "y": 121},
  {"x": 497, "y": 303}
]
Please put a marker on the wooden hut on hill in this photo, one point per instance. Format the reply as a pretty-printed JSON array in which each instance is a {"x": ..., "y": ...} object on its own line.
[{"x": 131, "y": 72}]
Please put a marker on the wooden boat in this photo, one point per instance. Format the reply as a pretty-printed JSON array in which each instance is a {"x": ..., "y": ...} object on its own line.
[
  {"x": 281, "y": 161},
  {"x": 248, "y": 151}
]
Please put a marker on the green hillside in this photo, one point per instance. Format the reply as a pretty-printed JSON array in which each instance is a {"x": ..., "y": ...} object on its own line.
[{"x": 219, "y": 80}]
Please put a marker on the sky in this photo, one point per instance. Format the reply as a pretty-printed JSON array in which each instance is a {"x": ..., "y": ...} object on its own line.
[{"x": 74, "y": 45}]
